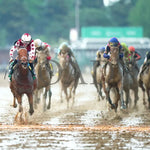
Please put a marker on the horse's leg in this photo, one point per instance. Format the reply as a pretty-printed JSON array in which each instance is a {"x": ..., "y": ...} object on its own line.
[
  {"x": 67, "y": 98},
  {"x": 35, "y": 98},
  {"x": 148, "y": 97},
  {"x": 98, "y": 94},
  {"x": 44, "y": 98},
  {"x": 14, "y": 102},
  {"x": 73, "y": 95},
  {"x": 143, "y": 89},
  {"x": 117, "y": 99},
  {"x": 61, "y": 96},
  {"x": 127, "y": 97},
  {"x": 30, "y": 99},
  {"x": 107, "y": 90},
  {"x": 100, "y": 91},
  {"x": 136, "y": 97},
  {"x": 50, "y": 95},
  {"x": 19, "y": 98},
  {"x": 120, "y": 87},
  {"x": 70, "y": 91}
]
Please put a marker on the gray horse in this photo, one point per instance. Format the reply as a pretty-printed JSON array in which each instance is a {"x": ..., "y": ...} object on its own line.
[
  {"x": 69, "y": 78},
  {"x": 130, "y": 82}
]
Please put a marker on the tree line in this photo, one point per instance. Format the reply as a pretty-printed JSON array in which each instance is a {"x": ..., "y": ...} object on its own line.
[{"x": 51, "y": 20}]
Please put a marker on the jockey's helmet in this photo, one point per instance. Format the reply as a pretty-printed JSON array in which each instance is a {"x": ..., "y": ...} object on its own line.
[
  {"x": 113, "y": 42},
  {"x": 125, "y": 47},
  {"x": 101, "y": 49},
  {"x": 131, "y": 49},
  {"x": 64, "y": 47},
  {"x": 38, "y": 43},
  {"x": 26, "y": 38}
]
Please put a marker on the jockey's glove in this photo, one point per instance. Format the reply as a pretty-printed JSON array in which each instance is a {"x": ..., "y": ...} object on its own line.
[{"x": 106, "y": 56}]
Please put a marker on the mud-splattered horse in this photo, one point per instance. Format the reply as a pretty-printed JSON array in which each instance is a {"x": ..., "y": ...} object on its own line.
[
  {"x": 113, "y": 78},
  {"x": 22, "y": 81},
  {"x": 69, "y": 79}
]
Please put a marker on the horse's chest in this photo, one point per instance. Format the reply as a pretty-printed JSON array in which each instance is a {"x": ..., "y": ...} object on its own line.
[
  {"x": 23, "y": 88},
  {"x": 113, "y": 74}
]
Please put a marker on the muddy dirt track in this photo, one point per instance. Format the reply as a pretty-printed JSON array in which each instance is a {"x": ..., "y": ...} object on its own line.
[{"x": 85, "y": 126}]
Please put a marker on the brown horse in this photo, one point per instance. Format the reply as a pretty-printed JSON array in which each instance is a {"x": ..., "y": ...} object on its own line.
[
  {"x": 69, "y": 79},
  {"x": 113, "y": 78},
  {"x": 144, "y": 81},
  {"x": 43, "y": 79},
  {"x": 98, "y": 76},
  {"x": 22, "y": 81}
]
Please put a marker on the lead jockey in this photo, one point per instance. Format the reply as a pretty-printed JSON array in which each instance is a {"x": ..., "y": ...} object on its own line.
[
  {"x": 27, "y": 42},
  {"x": 114, "y": 42},
  {"x": 43, "y": 46}
]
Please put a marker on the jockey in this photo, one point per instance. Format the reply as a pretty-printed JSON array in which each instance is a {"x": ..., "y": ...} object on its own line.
[
  {"x": 113, "y": 42},
  {"x": 67, "y": 49},
  {"x": 127, "y": 53},
  {"x": 100, "y": 50},
  {"x": 27, "y": 42},
  {"x": 42, "y": 46},
  {"x": 134, "y": 53},
  {"x": 98, "y": 57}
]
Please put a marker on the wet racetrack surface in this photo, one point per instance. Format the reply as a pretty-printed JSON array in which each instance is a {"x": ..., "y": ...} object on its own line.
[{"x": 85, "y": 126}]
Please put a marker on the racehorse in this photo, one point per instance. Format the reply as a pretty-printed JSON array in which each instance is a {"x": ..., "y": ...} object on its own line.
[
  {"x": 98, "y": 76},
  {"x": 144, "y": 81},
  {"x": 22, "y": 81},
  {"x": 69, "y": 79},
  {"x": 43, "y": 79},
  {"x": 113, "y": 78},
  {"x": 132, "y": 74}
]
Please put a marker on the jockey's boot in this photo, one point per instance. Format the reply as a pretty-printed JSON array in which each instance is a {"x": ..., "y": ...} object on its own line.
[
  {"x": 11, "y": 66},
  {"x": 31, "y": 67}
]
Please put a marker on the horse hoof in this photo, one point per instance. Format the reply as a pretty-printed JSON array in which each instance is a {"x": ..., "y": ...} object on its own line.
[
  {"x": 123, "y": 107},
  {"x": 113, "y": 106},
  {"x": 31, "y": 112},
  {"x": 14, "y": 105},
  {"x": 103, "y": 97},
  {"x": 48, "y": 107}
]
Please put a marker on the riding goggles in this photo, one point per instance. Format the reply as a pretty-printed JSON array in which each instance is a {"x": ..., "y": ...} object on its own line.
[
  {"x": 25, "y": 42},
  {"x": 113, "y": 44}
]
